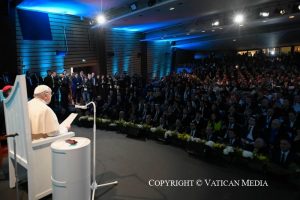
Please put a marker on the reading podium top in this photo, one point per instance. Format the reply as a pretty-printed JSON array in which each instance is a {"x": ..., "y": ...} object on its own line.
[{"x": 63, "y": 145}]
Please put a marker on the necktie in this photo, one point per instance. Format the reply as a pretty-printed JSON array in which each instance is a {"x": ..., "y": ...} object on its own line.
[{"x": 250, "y": 135}]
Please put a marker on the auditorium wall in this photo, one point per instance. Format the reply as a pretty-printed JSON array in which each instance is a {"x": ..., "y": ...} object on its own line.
[
  {"x": 72, "y": 45},
  {"x": 123, "y": 51},
  {"x": 159, "y": 58},
  {"x": 126, "y": 52}
]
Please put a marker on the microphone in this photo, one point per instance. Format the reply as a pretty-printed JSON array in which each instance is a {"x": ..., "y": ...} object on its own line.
[
  {"x": 81, "y": 107},
  {"x": 11, "y": 135}
]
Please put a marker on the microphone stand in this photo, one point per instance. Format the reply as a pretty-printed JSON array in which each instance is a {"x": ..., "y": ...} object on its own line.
[{"x": 94, "y": 184}]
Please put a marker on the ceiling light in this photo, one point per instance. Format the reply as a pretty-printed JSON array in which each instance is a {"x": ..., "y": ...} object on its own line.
[
  {"x": 220, "y": 28},
  {"x": 216, "y": 23},
  {"x": 133, "y": 6},
  {"x": 241, "y": 25},
  {"x": 234, "y": 40},
  {"x": 291, "y": 17},
  {"x": 101, "y": 19},
  {"x": 264, "y": 14},
  {"x": 172, "y": 8},
  {"x": 295, "y": 8},
  {"x": 203, "y": 31},
  {"x": 238, "y": 19},
  {"x": 282, "y": 11}
]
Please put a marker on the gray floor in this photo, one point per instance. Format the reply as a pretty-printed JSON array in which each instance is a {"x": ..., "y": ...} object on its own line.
[{"x": 133, "y": 163}]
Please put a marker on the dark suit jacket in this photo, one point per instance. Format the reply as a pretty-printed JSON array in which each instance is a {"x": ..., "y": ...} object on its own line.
[
  {"x": 255, "y": 133},
  {"x": 276, "y": 158},
  {"x": 291, "y": 130},
  {"x": 49, "y": 81},
  {"x": 273, "y": 140}
]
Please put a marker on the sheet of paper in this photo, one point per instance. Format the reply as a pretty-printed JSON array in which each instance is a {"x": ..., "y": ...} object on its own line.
[{"x": 68, "y": 121}]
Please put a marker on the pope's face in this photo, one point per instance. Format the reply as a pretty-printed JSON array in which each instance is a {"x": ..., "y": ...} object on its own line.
[{"x": 47, "y": 97}]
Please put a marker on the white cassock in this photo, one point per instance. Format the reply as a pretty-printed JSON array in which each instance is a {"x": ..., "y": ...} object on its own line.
[{"x": 42, "y": 119}]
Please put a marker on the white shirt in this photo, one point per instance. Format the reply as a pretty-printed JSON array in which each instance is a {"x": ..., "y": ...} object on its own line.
[
  {"x": 296, "y": 107},
  {"x": 283, "y": 156},
  {"x": 250, "y": 135}
]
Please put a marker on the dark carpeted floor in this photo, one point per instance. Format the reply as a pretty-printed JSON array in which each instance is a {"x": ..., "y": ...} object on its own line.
[{"x": 134, "y": 163}]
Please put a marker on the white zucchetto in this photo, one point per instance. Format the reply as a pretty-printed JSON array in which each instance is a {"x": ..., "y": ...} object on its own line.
[{"x": 41, "y": 88}]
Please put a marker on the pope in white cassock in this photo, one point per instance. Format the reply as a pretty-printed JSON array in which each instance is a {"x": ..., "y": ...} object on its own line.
[{"x": 43, "y": 120}]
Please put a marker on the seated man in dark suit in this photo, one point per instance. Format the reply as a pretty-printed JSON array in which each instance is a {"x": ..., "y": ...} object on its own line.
[
  {"x": 232, "y": 139},
  {"x": 283, "y": 156},
  {"x": 250, "y": 134},
  {"x": 274, "y": 133},
  {"x": 209, "y": 134},
  {"x": 193, "y": 130},
  {"x": 231, "y": 124},
  {"x": 162, "y": 123},
  {"x": 290, "y": 124},
  {"x": 157, "y": 114}
]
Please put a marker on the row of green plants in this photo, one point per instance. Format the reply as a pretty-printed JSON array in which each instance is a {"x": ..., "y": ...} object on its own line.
[
  {"x": 182, "y": 139},
  {"x": 104, "y": 123}
]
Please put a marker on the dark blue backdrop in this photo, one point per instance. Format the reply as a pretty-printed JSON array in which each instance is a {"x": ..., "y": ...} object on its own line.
[{"x": 34, "y": 25}]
